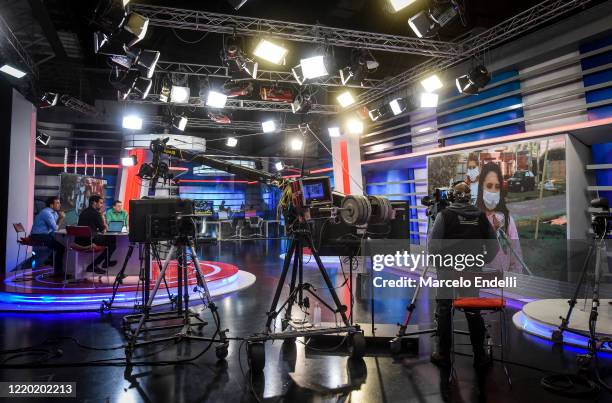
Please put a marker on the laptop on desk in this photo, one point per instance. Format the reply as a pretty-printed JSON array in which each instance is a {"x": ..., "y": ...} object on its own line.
[{"x": 115, "y": 227}]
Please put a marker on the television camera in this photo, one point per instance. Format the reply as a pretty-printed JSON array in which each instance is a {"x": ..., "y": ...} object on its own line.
[{"x": 437, "y": 201}]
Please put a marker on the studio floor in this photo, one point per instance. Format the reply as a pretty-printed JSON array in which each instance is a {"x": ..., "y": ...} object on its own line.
[{"x": 292, "y": 374}]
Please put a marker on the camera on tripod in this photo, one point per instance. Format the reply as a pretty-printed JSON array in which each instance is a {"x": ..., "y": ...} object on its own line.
[
  {"x": 600, "y": 216},
  {"x": 436, "y": 202},
  {"x": 155, "y": 220}
]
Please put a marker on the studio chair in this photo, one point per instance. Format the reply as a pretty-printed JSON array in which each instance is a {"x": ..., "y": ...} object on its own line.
[
  {"x": 73, "y": 231},
  {"x": 485, "y": 306},
  {"x": 27, "y": 242},
  {"x": 255, "y": 225}
]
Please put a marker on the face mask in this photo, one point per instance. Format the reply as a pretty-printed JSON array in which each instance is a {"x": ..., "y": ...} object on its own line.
[
  {"x": 491, "y": 199},
  {"x": 473, "y": 173}
]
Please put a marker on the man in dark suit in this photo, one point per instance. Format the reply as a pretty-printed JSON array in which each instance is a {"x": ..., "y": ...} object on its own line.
[{"x": 93, "y": 218}]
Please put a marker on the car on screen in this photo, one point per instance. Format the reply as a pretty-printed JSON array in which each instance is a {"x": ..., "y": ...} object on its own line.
[{"x": 521, "y": 181}]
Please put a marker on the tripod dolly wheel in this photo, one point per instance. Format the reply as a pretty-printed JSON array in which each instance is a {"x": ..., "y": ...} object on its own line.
[
  {"x": 396, "y": 346},
  {"x": 221, "y": 351},
  {"x": 256, "y": 354},
  {"x": 356, "y": 345}
]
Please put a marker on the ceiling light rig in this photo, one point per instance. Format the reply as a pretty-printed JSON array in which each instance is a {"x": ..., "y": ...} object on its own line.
[{"x": 119, "y": 32}]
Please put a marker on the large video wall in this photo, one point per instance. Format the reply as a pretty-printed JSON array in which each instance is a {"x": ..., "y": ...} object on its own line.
[{"x": 522, "y": 188}]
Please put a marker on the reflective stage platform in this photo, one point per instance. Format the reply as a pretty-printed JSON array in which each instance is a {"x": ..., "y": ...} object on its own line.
[
  {"x": 542, "y": 317},
  {"x": 39, "y": 291}
]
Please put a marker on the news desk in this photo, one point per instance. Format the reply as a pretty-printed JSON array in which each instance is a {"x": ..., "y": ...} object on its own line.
[{"x": 123, "y": 245}]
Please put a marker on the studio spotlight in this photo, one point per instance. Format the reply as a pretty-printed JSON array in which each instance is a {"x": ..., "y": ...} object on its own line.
[
  {"x": 397, "y": 106},
  {"x": 279, "y": 166},
  {"x": 106, "y": 45},
  {"x": 142, "y": 86},
  {"x": 180, "y": 122},
  {"x": 334, "y": 131},
  {"x": 269, "y": 126},
  {"x": 429, "y": 100},
  {"x": 432, "y": 83},
  {"x": 250, "y": 67},
  {"x": 12, "y": 71},
  {"x": 219, "y": 118},
  {"x": 48, "y": 100},
  {"x": 43, "y": 138},
  {"x": 231, "y": 142},
  {"x": 136, "y": 25},
  {"x": 179, "y": 95},
  {"x": 381, "y": 113},
  {"x": 164, "y": 94},
  {"x": 216, "y": 99},
  {"x": 129, "y": 161},
  {"x": 143, "y": 60},
  {"x": 400, "y": 4},
  {"x": 296, "y": 144},
  {"x": 270, "y": 51},
  {"x": 345, "y": 99},
  {"x": 362, "y": 63},
  {"x": 474, "y": 81},
  {"x": 234, "y": 57},
  {"x": 124, "y": 84},
  {"x": 427, "y": 23},
  {"x": 310, "y": 68},
  {"x": 354, "y": 126},
  {"x": 236, "y": 4},
  {"x": 110, "y": 15},
  {"x": 302, "y": 103},
  {"x": 132, "y": 122}
]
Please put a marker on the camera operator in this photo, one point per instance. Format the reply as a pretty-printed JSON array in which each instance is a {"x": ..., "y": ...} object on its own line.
[{"x": 461, "y": 221}]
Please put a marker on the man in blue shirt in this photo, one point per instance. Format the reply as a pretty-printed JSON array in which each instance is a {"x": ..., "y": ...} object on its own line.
[{"x": 46, "y": 222}]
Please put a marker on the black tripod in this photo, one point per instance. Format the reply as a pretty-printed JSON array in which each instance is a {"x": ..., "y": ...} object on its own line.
[
  {"x": 587, "y": 381},
  {"x": 181, "y": 248},
  {"x": 302, "y": 237},
  {"x": 108, "y": 305}
]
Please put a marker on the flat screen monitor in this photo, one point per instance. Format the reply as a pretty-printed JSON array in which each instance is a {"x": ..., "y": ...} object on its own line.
[
  {"x": 203, "y": 207},
  {"x": 316, "y": 190},
  {"x": 223, "y": 215},
  {"x": 250, "y": 213}
]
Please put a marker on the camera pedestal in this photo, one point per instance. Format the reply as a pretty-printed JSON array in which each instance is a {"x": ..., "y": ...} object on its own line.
[
  {"x": 187, "y": 319},
  {"x": 297, "y": 288}
]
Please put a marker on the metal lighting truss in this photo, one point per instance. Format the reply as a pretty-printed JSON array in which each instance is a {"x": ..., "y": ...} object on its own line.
[
  {"x": 503, "y": 32},
  {"x": 241, "y": 104},
  {"x": 228, "y": 24},
  {"x": 193, "y": 69},
  {"x": 209, "y": 124}
]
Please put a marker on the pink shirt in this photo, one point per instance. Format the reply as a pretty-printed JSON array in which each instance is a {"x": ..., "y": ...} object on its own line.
[{"x": 505, "y": 260}]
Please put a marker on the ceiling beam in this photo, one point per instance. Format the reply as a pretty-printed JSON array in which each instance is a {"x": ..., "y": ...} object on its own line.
[
  {"x": 239, "y": 104},
  {"x": 42, "y": 16},
  {"x": 206, "y": 70},
  {"x": 205, "y": 21}
]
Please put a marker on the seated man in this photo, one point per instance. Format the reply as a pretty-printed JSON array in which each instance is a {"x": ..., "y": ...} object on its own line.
[
  {"x": 117, "y": 213},
  {"x": 93, "y": 218},
  {"x": 46, "y": 222}
]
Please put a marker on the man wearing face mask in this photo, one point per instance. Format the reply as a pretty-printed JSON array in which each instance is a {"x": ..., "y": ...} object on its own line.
[
  {"x": 468, "y": 226},
  {"x": 473, "y": 175}
]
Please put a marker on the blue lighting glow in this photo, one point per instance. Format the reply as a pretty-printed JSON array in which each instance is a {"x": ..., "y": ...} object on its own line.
[{"x": 544, "y": 331}]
